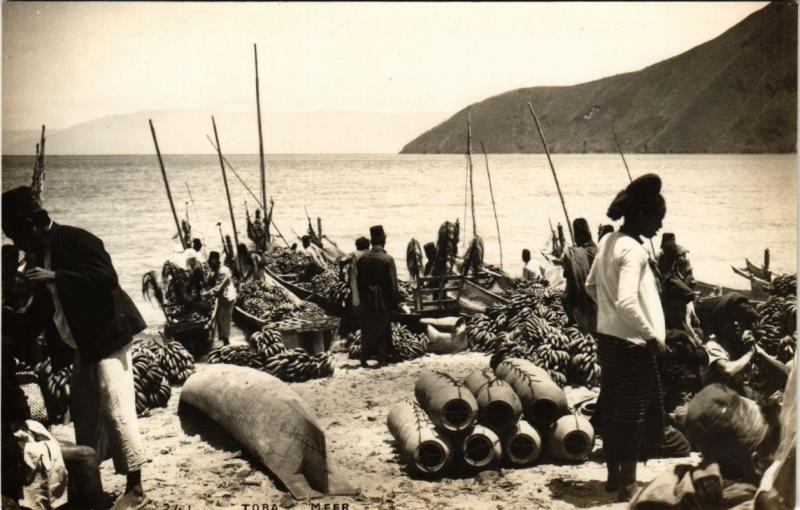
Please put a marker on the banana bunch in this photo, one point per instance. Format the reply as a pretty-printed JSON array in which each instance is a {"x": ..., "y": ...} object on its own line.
[
  {"x": 507, "y": 349},
  {"x": 784, "y": 285},
  {"x": 532, "y": 325},
  {"x": 177, "y": 362},
  {"x": 172, "y": 357},
  {"x": 482, "y": 333},
  {"x": 405, "y": 345},
  {"x": 777, "y": 318},
  {"x": 307, "y": 309},
  {"x": 267, "y": 341},
  {"x": 329, "y": 286},
  {"x": 55, "y": 387},
  {"x": 296, "y": 365},
  {"x": 267, "y": 302},
  {"x": 149, "y": 379},
  {"x": 286, "y": 261},
  {"x": 240, "y": 355}
]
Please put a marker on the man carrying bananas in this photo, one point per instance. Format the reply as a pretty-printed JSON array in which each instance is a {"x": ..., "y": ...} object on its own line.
[
  {"x": 377, "y": 290},
  {"x": 89, "y": 320}
]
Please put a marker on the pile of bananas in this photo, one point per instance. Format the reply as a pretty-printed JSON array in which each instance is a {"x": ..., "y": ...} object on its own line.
[
  {"x": 55, "y": 388},
  {"x": 784, "y": 285},
  {"x": 328, "y": 285},
  {"x": 265, "y": 351},
  {"x": 240, "y": 354},
  {"x": 172, "y": 357},
  {"x": 267, "y": 302},
  {"x": 405, "y": 345},
  {"x": 149, "y": 379},
  {"x": 776, "y": 328},
  {"x": 267, "y": 341},
  {"x": 296, "y": 365},
  {"x": 533, "y": 326},
  {"x": 176, "y": 362},
  {"x": 285, "y": 261}
]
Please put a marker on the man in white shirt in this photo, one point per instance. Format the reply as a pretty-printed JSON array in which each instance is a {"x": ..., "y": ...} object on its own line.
[{"x": 224, "y": 291}]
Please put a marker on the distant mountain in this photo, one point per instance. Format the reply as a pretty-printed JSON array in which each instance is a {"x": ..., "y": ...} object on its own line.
[
  {"x": 184, "y": 132},
  {"x": 735, "y": 93}
]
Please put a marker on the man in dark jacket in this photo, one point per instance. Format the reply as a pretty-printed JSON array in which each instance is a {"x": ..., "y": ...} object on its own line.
[
  {"x": 377, "y": 289},
  {"x": 87, "y": 319}
]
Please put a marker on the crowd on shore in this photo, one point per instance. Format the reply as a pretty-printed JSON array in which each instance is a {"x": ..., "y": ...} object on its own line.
[{"x": 678, "y": 372}]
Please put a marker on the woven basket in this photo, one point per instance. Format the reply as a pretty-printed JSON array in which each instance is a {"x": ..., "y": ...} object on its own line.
[{"x": 33, "y": 393}]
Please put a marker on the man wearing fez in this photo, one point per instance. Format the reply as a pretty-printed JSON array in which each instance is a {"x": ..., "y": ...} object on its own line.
[
  {"x": 87, "y": 320},
  {"x": 377, "y": 289}
]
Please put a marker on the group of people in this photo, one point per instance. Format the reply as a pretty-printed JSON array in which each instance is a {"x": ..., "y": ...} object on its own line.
[
  {"x": 664, "y": 353},
  {"x": 69, "y": 291}
]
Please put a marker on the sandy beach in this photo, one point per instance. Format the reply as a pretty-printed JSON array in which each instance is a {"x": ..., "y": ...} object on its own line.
[{"x": 201, "y": 467}]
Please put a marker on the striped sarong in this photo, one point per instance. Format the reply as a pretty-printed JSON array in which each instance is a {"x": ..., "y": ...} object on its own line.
[{"x": 630, "y": 409}]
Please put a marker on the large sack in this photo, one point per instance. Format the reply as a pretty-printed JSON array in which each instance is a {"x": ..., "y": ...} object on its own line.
[
  {"x": 446, "y": 342},
  {"x": 269, "y": 419}
]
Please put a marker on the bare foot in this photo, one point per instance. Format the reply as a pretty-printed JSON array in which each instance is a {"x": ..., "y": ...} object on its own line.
[
  {"x": 626, "y": 493},
  {"x": 131, "y": 500}
]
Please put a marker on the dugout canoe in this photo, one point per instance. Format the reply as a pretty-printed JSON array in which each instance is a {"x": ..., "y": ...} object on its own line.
[{"x": 291, "y": 444}]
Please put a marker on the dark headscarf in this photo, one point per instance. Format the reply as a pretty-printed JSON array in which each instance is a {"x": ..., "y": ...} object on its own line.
[
  {"x": 580, "y": 229},
  {"x": 642, "y": 194}
]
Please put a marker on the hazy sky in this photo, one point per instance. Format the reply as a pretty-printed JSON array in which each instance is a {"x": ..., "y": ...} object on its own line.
[{"x": 69, "y": 63}]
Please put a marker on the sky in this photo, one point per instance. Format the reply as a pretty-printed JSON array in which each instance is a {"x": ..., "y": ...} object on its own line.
[{"x": 67, "y": 63}]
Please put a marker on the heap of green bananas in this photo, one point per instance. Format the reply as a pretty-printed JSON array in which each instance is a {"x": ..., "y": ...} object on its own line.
[
  {"x": 285, "y": 261},
  {"x": 55, "y": 387},
  {"x": 267, "y": 302},
  {"x": 532, "y": 325},
  {"x": 149, "y": 379},
  {"x": 265, "y": 351},
  {"x": 405, "y": 345},
  {"x": 239, "y": 354},
  {"x": 328, "y": 285},
  {"x": 784, "y": 285},
  {"x": 776, "y": 327}
]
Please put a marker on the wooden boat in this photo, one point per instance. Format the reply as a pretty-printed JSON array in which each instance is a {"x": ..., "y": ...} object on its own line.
[{"x": 314, "y": 335}]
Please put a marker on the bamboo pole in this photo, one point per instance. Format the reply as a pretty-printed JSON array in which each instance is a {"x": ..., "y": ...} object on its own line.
[
  {"x": 494, "y": 207},
  {"x": 262, "y": 164},
  {"x": 230, "y": 167},
  {"x": 552, "y": 169},
  {"x": 228, "y": 195},
  {"x": 471, "y": 187},
  {"x": 630, "y": 179},
  {"x": 166, "y": 185},
  {"x": 619, "y": 148}
]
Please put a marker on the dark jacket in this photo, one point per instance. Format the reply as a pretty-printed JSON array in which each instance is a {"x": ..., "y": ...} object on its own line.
[
  {"x": 100, "y": 315},
  {"x": 377, "y": 280}
]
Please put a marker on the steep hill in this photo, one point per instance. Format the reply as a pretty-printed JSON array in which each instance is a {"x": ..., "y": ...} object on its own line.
[{"x": 734, "y": 93}]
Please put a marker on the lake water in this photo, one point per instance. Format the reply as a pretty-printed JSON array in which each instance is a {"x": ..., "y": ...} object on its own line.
[{"x": 723, "y": 208}]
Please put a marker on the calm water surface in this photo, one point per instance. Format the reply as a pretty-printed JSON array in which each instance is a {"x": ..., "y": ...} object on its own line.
[{"x": 722, "y": 208}]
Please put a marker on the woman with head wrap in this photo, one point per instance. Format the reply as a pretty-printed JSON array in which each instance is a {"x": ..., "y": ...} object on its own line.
[
  {"x": 576, "y": 261},
  {"x": 630, "y": 332}
]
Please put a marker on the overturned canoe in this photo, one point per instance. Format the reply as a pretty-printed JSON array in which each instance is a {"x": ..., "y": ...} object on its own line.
[
  {"x": 424, "y": 448},
  {"x": 451, "y": 406},
  {"x": 272, "y": 422},
  {"x": 499, "y": 406}
]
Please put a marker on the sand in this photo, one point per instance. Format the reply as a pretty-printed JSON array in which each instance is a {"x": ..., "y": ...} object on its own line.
[{"x": 207, "y": 469}]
